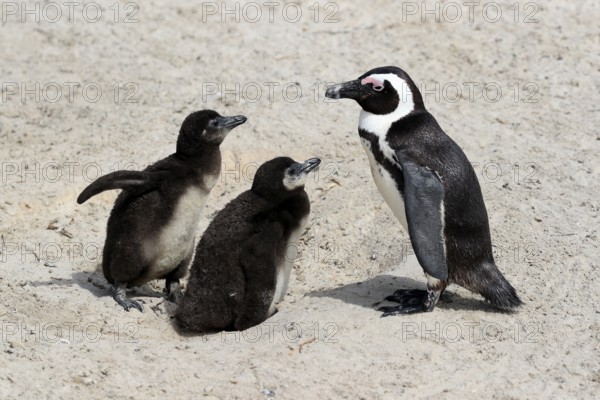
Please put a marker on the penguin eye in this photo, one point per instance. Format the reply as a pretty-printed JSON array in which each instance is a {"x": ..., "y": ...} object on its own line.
[
  {"x": 377, "y": 88},
  {"x": 293, "y": 170}
]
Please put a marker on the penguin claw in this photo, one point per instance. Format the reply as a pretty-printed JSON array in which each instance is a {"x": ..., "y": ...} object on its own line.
[
  {"x": 138, "y": 306},
  {"x": 121, "y": 297},
  {"x": 128, "y": 304}
]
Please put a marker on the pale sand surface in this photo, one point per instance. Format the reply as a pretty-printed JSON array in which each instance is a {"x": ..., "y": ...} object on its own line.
[{"x": 64, "y": 337}]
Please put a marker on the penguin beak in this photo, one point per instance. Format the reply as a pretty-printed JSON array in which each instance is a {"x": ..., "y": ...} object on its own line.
[
  {"x": 310, "y": 164},
  {"x": 296, "y": 174},
  {"x": 347, "y": 90},
  {"x": 230, "y": 122}
]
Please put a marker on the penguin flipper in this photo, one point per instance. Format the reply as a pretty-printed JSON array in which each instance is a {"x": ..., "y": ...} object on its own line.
[
  {"x": 136, "y": 181},
  {"x": 423, "y": 200}
]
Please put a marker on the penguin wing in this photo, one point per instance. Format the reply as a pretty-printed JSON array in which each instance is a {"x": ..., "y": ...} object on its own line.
[
  {"x": 423, "y": 200},
  {"x": 136, "y": 182}
]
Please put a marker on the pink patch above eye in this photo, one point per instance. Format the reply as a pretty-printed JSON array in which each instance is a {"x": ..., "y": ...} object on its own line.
[{"x": 374, "y": 81}]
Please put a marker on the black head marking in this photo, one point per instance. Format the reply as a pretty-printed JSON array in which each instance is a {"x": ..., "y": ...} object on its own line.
[
  {"x": 379, "y": 94},
  {"x": 268, "y": 180},
  {"x": 205, "y": 128},
  {"x": 282, "y": 177}
]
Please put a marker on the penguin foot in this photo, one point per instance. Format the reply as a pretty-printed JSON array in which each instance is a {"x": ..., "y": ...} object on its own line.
[
  {"x": 128, "y": 304},
  {"x": 399, "y": 310},
  {"x": 408, "y": 296},
  {"x": 121, "y": 298},
  {"x": 411, "y": 301}
]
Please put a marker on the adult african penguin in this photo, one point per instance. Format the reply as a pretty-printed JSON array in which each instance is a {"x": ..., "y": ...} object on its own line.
[
  {"x": 431, "y": 187},
  {"x": 151, "y": 228},
  {"x": 244, "y": 258}
]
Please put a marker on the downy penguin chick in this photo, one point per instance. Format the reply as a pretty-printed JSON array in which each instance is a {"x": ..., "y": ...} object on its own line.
[
  {"x": 150, "y": 232},
  {"x": 244, "y": 258}
]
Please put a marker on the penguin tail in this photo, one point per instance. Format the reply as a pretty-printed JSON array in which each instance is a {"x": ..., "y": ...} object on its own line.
[{"x": 489, "y": 282}]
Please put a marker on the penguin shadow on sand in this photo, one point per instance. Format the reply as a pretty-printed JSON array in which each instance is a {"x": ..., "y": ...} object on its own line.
[
  {"x": 95, "y": 283},
  {"x": 370, "y": 294},
  {"x": 91, "y": 281}
]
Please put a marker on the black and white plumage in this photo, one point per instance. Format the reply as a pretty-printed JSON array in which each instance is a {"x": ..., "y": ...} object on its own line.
[
  {"x": 244, "y": 258},
  {"x": 151, "y": 228},
  {"x": 431, "y": 187}
]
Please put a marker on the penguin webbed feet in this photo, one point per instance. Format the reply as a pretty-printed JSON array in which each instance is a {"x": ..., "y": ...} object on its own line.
[
  {"x": 121, "y": 298},
  {"x": 411, "y": 301}
]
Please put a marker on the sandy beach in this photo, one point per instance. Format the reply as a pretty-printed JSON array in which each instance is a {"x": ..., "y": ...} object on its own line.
[{"x": 96, "y": 87}]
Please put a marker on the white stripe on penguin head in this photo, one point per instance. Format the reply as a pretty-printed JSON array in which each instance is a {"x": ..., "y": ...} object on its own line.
[{"x": 380, "y": 124}]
